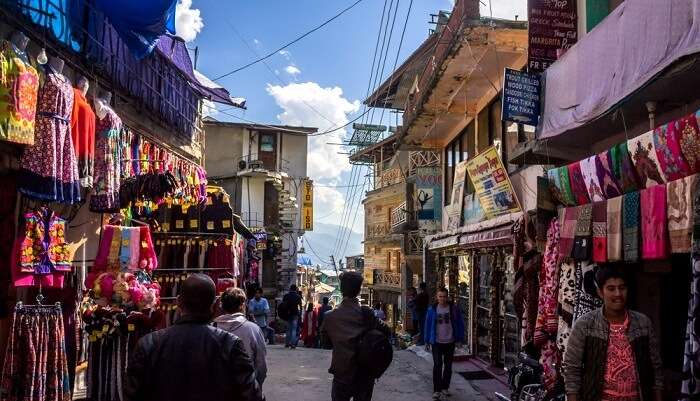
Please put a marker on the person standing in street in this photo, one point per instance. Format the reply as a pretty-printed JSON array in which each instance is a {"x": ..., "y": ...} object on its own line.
[
  {"x": 343, "y": 327},
  {"x": 309, "y": 326},
  {"x": 422, "y": 303},
  {"x": 444, "y": 329},
  {"x": 411, "y": 305},
  {"x": 613, "y": 353},
  {"x": 292, "y": 302},
  {"x": 191, "y": 360},
  {"x": 325, "y": 307},
  {"x": 233, "y": 302},
  {"x": 259, "y": 308},
  {"x": 379, "y": 312}
]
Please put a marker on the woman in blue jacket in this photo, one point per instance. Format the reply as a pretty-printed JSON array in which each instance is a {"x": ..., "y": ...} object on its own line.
[{"x": 444, "y": 328}]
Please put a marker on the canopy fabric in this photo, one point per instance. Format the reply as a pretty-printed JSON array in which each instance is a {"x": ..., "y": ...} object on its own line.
[
  {"x": 303, "y": 260},
  {"x": 637, "y": 41}
]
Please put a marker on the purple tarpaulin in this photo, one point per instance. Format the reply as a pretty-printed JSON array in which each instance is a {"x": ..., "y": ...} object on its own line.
[{"x": 633, "y": 44}]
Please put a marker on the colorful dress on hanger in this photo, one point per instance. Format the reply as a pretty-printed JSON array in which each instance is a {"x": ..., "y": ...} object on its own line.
[
  {"x": 105, "y": 195},
  {"x": 83, "y": 134},
  {"x": 654, "y": 227},
  {"x": 49, "y": 169},
  {"x": 19, "y": 88}
]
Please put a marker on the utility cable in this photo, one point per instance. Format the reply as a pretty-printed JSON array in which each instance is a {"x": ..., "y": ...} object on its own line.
[{"x": 265, "y": 57}]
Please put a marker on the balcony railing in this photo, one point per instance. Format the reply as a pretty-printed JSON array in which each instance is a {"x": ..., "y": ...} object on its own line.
[
  {"x": 388, "y": 177},
  {"x": 255, "y": 161},
  {"x": 414, "y": 243},
  {"x": 399, "y": 215},
  {"x": 387, "y": 279},
  {"x": 422, "y": 158}
]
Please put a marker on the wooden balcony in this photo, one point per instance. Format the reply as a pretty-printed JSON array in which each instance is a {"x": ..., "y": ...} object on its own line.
[
  {"x": 387, "y": 280},
  {"x": 414, "y": 244},
  {"x": 402, "y": 218},
  {"x": 422, "y": 158}
]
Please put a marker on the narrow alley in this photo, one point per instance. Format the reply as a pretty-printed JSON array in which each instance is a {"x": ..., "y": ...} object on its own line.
[{"x": 302, "y": 374}]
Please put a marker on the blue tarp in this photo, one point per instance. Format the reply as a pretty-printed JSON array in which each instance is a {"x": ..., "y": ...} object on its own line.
[{"x": 303, "y": 260}]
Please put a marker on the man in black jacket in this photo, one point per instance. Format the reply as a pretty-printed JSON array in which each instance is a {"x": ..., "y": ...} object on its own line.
[
  {"x": 192, "y": 360},
  {"x": 343, "y": 327},
  {"x": 421, "y": 305},
  {"x": 293, "y": 302}
]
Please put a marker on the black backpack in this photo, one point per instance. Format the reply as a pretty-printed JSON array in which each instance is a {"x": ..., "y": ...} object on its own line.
[
  {"x": 283, "y": 310},
  {"x": 374, "y": 350}
]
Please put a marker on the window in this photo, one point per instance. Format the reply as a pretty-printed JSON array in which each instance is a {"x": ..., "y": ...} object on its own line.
[{"x": 267, "y": 142}]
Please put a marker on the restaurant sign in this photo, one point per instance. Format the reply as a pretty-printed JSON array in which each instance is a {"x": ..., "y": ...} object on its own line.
[{"x": 492, "y": 184}]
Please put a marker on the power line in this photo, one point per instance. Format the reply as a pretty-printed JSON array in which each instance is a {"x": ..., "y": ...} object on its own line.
[
  {"x": 290, "y": 43},
  {"x": 352, "y": 226}
]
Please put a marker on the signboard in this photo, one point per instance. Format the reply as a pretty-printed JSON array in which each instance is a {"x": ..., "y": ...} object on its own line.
[
  {"x": 260, "y": 238},
  {"x": 454, "y": 214},
  {"x": 307, "y": 205},
  {"x": 428, "y": 193},
  {"x": 521, "y": 97},
  {"x": 552, "y": 29},
  {"x": 492, "y": 184}
]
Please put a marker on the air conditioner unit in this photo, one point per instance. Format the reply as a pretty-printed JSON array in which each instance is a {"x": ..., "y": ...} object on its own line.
[{"x": 242, "y": 165}]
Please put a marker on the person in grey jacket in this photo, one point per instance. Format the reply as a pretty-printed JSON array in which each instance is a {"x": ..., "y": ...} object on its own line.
[
  {"x": 613, "y": 352},
  {"x": 233, "y": 302}
]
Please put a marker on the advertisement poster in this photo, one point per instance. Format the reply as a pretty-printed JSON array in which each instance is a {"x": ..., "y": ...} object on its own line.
[
  {"x": 473, "y": 213},
  {"x": 552, "y": 29},
  {"x": 428, "y": 193},
  {"x": 307, "y": 206},
  {"x": 492, "y": 184}
]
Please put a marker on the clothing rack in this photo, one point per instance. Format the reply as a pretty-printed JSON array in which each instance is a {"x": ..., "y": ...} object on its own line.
[{"x": 191, "y": 234}]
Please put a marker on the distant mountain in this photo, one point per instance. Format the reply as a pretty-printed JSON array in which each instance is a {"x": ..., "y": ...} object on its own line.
[{"x": 322, "y": 240}]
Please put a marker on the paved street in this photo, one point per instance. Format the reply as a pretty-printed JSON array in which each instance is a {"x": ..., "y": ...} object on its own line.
[{"x": 302, "y": 375}]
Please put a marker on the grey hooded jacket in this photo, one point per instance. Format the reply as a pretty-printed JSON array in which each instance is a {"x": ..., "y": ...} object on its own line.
[{"x": 252, "y": 337}]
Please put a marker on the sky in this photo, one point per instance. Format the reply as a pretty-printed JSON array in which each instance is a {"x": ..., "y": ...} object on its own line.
[{"x": 319, "y": 81}]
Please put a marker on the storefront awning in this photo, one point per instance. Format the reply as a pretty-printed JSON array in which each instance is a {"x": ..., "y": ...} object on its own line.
[
  {"x": 493, "y": 232},
  {"x": 622, "y": 55}
]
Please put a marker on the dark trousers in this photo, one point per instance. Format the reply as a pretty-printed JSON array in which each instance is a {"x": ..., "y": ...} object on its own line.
[
  {"x": 360, "y": 390},
  {"x": 269, "y": 334},
  {"x": 443, "y": 355},
  {"x": 421, "y": 327}
]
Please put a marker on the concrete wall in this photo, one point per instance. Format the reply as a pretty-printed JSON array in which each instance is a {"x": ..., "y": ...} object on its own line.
[
  {"x": 224, "y": 148},
  {"x": 293, "y": 152},
  {"x": 253, "y": 200}
]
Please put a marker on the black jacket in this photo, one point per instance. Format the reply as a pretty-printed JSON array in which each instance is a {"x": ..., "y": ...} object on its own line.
[
  {"x": 343, "y": 327},
  {"x": 191, "y": 361},
  {"x": 293, "y": 300}
]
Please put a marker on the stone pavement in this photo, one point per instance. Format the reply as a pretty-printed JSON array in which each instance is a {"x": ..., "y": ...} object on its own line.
[{"x": 302, "y": 375}]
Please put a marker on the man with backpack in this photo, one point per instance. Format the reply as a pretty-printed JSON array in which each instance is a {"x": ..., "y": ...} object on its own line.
[
  {"x": 290, "y": 310},
  {"x": 360, "y": 342}
]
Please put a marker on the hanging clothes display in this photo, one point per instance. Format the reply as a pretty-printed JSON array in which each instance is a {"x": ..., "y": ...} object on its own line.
[
  {"x": 582, "y": 238},
  {"x": 690, "y": 389},
  {"x": 105, "y": 194},
  {"x": 586, "y": 299},
  {"x": 645, "y": 160},
  {"x": 19, "y": 87},
  {"x": 654, "y": 229},
  {"x": 567, "y": 302},
  {"x": 600, "y": 232},
  {"x": 35, "y": 367},
  {"x": 608, "y": 183},
  {"x": 560, "y": 186},
  {"x": 630, "y": 226},
  {"x": 578, "y": 183},
  {"x": 49, "y": 169},
  {"x": 680, "y": 208},
  {"x": 590, "y": 177},
  {"x": 83, "y": 134},
  {"x": 690, "y": 141},
  {"x": 668, "y": 152},
  {"x": 622, "y": 168},
  {"x": 568, "y": 231},
  {"x": 614, "y": 229}
]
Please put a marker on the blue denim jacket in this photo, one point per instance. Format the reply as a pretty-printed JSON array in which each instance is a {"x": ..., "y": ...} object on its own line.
[{"x": 431, "y": 324}]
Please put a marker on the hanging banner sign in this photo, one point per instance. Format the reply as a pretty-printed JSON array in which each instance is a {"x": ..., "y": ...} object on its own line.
[
  {"x": 521, "y": 97},
  {"x": 492, "y": 184},
  {"x": 307, "y": 206},
  {"x": 260, "y": 238},
  {"x": 552, "y": 29}
]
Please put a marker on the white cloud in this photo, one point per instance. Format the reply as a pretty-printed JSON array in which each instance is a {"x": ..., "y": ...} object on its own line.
[
  {"x": 292, "y": 70},
  {"x": 506, "y": 9},
  {"x": 301, "y": 104},
  {"x": 188, "y": 21},
  {"x": 277, "y": 72},
  {"x": 286, "y": 54},
  {"x": 257, "y": 42}
]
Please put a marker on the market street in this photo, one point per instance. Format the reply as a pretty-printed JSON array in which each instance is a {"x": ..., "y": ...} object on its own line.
[{"x": 302, "y": 374}]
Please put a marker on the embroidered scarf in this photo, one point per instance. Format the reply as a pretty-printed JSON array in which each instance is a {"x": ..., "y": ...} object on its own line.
[
  {"x": 653, "y": 222},
  {"x": 679, "y": 194},
  {"x": 600, "y": 229},
  {"x": 547, "y": 319},
  {"x": 578, "y": 184},
  {"x": 134, "y": 248},
  {"x": 103, "y": 249},
  {"x": 582, "y": 236},
  {"x": 608, "y": 183},
  {"x": 125, "y": 248},
  {"x": 567, "y": 299},
  {"x": 559, "y": 186},
  {"x": 568, "y": 231},
  {"x": 668, "y": 151},
  {"x": 614, "y": 228},
  {"x": 630, "y": 227},
  {"x": 689, "y": 135},
  {"x": 690, "y": 388},
  {"x": 645, "y": 160},
  {"x": 586, "y": 295},
  {"x": 622, "y": 168},
  {"x": 590, "y": 177}
]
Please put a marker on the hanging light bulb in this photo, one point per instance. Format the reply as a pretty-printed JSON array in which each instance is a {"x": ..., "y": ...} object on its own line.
[{"x": 41, "y": 58}]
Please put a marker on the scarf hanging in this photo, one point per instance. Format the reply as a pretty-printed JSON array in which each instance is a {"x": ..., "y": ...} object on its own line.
[
  {"x": 653, "y": 222},
  {"x": 559, "y": 185},
  {"x": 630, "y": 227},
  {"x": 114, "y": 249},
  {"x": 600, "y": 232},
  {"x": 582, "y": 238},
  {"x": 103, "y": 248},
  {"x": 645, "y": 160},
  {"x": 622, "y": 168},
  {"x": 125, "y": 249},
  {"x": 590, "y": 176},
  {"x": 587, "y": 298},
  {"x": 668, "y": 151},
  {"x": 614, "y": 229},
  {"x": 568, "y": 231},
  {"x": 567, "y": 299},
  {"x": 679, "y": 194},
  {"x": 547, "y": 319},
  {"x": 147, "y": 255},
  {"x": 608, "y": 183},
  {"x": 578, "y": 184},
  {"x": 689, "y": 138},
  {"x": 134, "y": 248},
  {"x": 690, "y": 388}
]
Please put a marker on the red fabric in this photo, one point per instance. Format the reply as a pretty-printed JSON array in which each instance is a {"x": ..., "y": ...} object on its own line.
[
  {"x": 578, "y": 184},
  {"x": 82, "y": 127},
  {"x": 22, "y": 279},
  {"x": 600, "y": 232},
  {"x": 621, "y": 380},
  {"x": 655, "y": 242},
  {"x": 309, "y": 336}
]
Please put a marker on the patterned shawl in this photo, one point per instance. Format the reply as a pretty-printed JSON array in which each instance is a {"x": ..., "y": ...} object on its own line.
[
  {"x": 590, "y": 177},
  {"x": 630, "y": 226},
  {"x": 668, "y": 151},
  {"x": 547, "y": 319},
  {"x": 600, "y": 229},
  {"x": 653, "y": 222},
  {"x": 578, "y": 184},
  {"x": 113, "y": 262},
  {"x": 689, "y": 138},
  {"x": 679, "y": 194},
  {"x": 567, "y": 300},
  {"x": 568, "y": 231},
  {"x": 560, "y": 187},
  {"x": 690, "y": 388},
  {"x": 608, "y": 182},
  {"x": 582, "y": 238},
  {"x": 103, "y": 248},
  {"x": 614, "y": 229},
  {"x": 645, "y": 160},
  {"x": 622, "y": 168},
  {"x": 586, "y": 295}
]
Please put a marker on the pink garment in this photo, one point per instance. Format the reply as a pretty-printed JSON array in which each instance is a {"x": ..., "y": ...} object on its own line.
[
  {"x": 547, "y": 318},
  {"x": 621, "y": 382},
  {"x": 147, "y": 255},
  {"x": 668, "y": 151},
  {"x": 655, "y": 243},
  {"x": 23, "y": 279},
  {"x": 134, "y": 248},
  {"x": 103, "y": 248}
]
